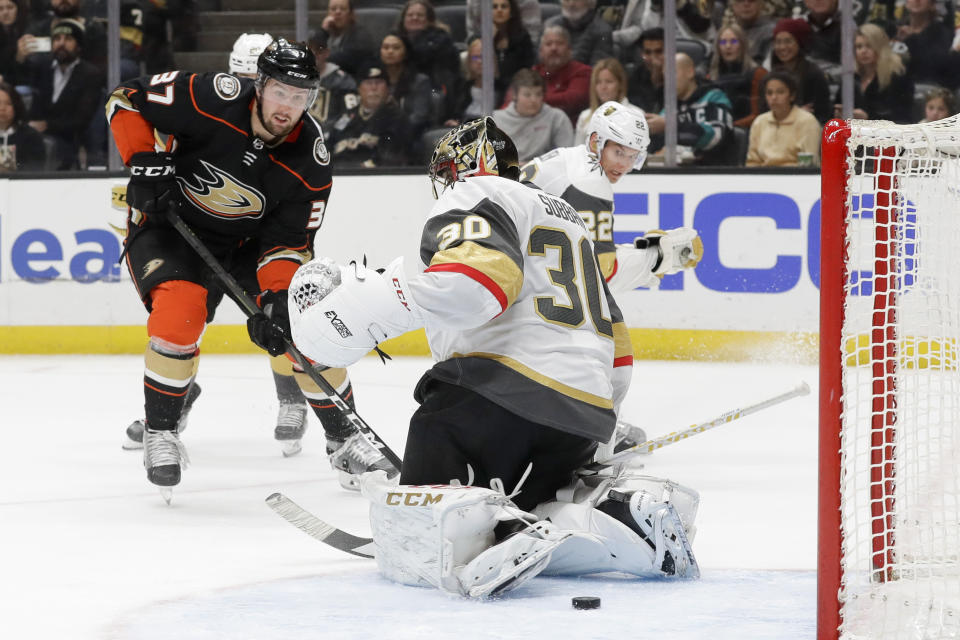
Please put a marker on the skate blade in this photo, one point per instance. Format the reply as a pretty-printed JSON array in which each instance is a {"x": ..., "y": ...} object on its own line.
[
  {"x": 167, "y": 494},
  {"x": 290, "y": 447}
]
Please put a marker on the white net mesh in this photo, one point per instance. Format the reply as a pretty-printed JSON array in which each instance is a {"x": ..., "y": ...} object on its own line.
[{"x": 900, "y": 439}]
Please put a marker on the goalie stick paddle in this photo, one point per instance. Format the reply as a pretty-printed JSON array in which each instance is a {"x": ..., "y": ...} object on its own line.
[
  {"x": 649, "y": 446},
  {"x": 250, "y": 308},
  {"x": 317, "y": 528}
]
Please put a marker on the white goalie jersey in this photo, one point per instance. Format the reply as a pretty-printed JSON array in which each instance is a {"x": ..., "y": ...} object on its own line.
[
  {"x": 534, "y": 327},
  {"x": 574, "y": 174}
]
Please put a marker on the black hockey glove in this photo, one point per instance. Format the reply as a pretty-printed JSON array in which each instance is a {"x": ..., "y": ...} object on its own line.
[
  {"x": 153, "y": 182},
  {"x": 270, "y": 328}
]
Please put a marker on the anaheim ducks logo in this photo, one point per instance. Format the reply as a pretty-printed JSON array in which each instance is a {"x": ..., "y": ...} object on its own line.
[{"x": 220, "y": 194}]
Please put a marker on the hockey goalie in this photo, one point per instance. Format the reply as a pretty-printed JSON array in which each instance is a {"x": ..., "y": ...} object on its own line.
[{"x": 532, "y": 361}]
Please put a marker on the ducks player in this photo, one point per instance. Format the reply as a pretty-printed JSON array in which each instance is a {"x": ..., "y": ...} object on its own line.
[
  {"x": 250, "y": 174},
  {"x": 584, "y": 175},
  {"x": 532, "y": 360}
]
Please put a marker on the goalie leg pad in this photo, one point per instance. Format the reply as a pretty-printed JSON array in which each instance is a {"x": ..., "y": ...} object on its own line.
[{"x": 443, "y": 536}]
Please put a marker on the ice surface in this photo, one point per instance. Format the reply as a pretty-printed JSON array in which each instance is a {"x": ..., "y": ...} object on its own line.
[{"x": 89, "y": 550}]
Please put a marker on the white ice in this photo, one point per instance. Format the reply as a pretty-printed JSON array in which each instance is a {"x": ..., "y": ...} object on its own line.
[{"x": 89, "y": 550}]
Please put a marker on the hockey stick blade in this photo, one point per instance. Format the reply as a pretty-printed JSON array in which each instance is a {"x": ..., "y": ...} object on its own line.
[
  {"x": 317, "y": 528},
  {"x": 250, "y": 308},
  {"x": 801, "y": 389}
]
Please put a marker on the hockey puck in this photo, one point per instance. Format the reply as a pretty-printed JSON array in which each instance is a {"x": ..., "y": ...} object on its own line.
[{"x": 586, "y": 602}]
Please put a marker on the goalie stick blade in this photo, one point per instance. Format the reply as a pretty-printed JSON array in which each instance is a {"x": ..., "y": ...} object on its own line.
[{"x": 317, "y": 528}]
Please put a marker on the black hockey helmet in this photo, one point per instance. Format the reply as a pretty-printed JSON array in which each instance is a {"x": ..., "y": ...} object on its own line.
[
  {"x": 288, "y": 62},
  {"x": 475, "y": 148}
]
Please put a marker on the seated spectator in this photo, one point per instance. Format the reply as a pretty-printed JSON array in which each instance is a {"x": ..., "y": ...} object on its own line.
[
  {"x": 338, "y": 91},
  {"x": 646, "y": 85},
  {"x": 780, "y": 135},
  {"x": 468, "y": 96},
  {"x": 13, "y": 24},
  {"x": 790, "y": 37},
  {"x": 608, "y": 83},
  {"x": 69, "y": 95},
  {"x": 823, "y": 47},
  {"x": 351, "y": 46},
  {"x": 704, "y": 123},
  {"x": 591, "y": 38},
  {"x": 752, "y": 16},
  {"x": 95, "y": 38},
  {"x": 432, "y": 50},
  {"x": 928, "y": 39},
  {"x": 938, "y": 103},
  {"x": 529, "y": 12},
  {"x": 883, "y": 91},
  {"x": 376, "y": 132},
  {"x": 409, "y": 88},
  {"x": 535, "y": 127},
  {"x": 21, "y": 147},
  {"x": 511, "y": 41},
  {"x": 567, "y": 81},
  {"x": 734, "y": 70},
  {"x": 648, "y": 14}
]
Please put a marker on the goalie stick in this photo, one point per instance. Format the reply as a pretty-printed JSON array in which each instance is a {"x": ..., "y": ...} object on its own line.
[
  {"x": 649, "y": 446},
  {"x": 250, "y": 308},
  {"x": 317, "y": 528}
]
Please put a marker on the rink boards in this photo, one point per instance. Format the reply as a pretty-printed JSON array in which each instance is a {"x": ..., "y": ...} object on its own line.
[{"x": 754, "y": 295}]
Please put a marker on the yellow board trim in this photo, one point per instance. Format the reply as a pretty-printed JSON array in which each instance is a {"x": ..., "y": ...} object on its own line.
[{"x": 648, "y": 344}]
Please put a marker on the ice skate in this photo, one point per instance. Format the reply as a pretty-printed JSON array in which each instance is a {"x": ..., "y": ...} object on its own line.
[
  {"x": 628, "y": 435},
  {"x": 355, "y": 456},
  {"x": 291, "y": 424},
  {"x": 133, "y": 438},
  {"x": 163, "y": 455}
]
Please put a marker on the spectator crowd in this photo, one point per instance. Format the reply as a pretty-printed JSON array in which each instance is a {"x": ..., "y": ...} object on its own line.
[{"x": 756, "y": 79}]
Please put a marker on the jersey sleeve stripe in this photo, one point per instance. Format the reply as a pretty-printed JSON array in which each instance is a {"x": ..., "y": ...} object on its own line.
[
  {"x": 608, "y": 264},
  {"x": 496, "y": 266},
  {"x": 276, "y": 274},
  {"x": 193, "y": 99},
  {"x": 299, "y": 177},
  {"x": 625, "y": 361},
  {"x": 478, "y": 276},
  {"x": 622, "y": 347}
]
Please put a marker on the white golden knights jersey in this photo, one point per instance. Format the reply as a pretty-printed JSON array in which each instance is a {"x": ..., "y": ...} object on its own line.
[
  {"x": 234, "y": 186},
  {"x": 534, "y": 328},
  {"x": 574, "y": 174}
]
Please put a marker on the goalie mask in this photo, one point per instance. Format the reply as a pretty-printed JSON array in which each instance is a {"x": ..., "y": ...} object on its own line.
[
  {"x": 626, "y": 125},
  {"x": 475, "y": 148}
]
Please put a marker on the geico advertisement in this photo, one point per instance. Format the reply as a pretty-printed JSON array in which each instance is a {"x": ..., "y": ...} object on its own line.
[{"x": 760, "y": 271}]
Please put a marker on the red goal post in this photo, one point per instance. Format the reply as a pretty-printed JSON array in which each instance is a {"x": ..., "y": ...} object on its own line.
[{"x": 889, "y": 461}]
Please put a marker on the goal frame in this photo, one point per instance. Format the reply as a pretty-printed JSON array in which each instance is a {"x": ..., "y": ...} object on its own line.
[{"x": 882, "y": 354}]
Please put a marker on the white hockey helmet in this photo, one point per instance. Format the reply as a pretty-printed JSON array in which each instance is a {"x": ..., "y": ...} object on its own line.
[
  {"x": 624, "y": 124},
  {"x": 246, "y": 50}
]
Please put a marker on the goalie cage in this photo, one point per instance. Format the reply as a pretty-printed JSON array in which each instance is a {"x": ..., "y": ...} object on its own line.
[{"x": 889, "y": 461}]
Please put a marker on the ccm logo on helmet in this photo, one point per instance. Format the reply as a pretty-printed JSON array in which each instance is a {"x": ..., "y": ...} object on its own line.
[
  {"x": 296, "y": 74},
  {"x": 152, "y": 172}
]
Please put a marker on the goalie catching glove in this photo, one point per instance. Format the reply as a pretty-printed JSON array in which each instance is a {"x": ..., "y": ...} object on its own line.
[
  {"x": 338, "y": 314},
  {"x": 654, "y": 255}
]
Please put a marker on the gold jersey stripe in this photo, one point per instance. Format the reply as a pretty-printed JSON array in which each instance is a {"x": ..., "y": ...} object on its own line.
[
  {"x": 494, "y": 264},
  {"x": 621, "y": 341},
  {"x": 559, "y": 387}
]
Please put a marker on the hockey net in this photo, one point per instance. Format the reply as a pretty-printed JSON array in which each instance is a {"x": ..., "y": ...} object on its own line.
[{"x": 889, "y": 548}]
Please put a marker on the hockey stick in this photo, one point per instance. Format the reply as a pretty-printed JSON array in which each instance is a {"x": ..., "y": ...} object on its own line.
[
  {"x": 317, "y": 528},
  {"x": 801, "y": 389},
  {"x": 250, "y": 308}
]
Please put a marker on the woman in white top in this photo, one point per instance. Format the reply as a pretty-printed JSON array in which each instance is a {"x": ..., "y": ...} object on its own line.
[{"x": 607, "y": 82}]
